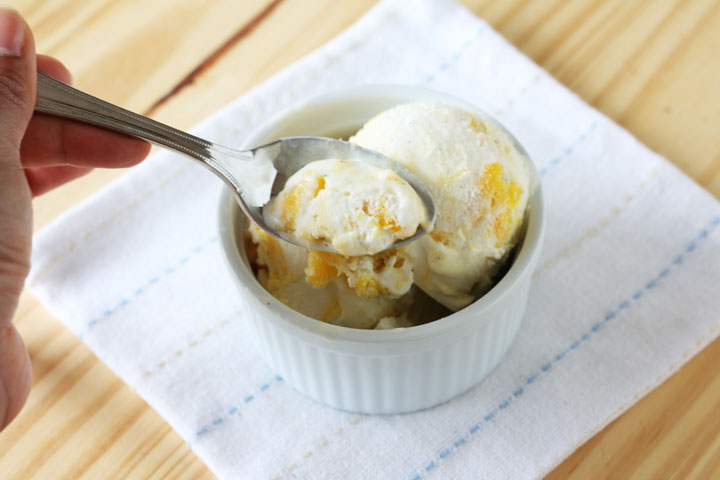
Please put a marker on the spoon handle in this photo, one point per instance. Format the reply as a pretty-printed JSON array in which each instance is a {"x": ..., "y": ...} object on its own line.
[{"x": 59, "y": 99}]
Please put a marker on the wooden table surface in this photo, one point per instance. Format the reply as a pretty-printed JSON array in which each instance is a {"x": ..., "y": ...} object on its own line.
[{"x": 652, "y": 65}]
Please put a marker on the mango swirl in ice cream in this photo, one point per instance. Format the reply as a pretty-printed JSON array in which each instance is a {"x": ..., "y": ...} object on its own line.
[
  {"x": 355, "y": 292},
  {"x": 480, "y": 183},
  {"x": 359, "y": 209}
]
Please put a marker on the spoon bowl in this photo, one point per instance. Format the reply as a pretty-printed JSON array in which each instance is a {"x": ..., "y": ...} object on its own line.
[
  {"x": 288, "y": 155},
  {"x": 255, "y": 175}
]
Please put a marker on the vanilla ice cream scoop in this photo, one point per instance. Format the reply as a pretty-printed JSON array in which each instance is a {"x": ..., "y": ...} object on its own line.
[
  {"x": 358, "y": 208},
  {"x": 480, "y": 183}
]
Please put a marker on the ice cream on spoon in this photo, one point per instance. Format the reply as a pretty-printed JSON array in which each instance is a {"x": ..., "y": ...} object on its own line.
[{"x": 357, "y": 208}]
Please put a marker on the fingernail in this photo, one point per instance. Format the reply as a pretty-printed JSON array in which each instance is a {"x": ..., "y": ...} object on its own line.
[{"x": 12, "y": 32}]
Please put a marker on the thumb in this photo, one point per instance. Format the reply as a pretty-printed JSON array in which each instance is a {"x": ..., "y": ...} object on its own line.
[
  {"x": 17, "y": 99},
  {"x": 17, "y": 79}
]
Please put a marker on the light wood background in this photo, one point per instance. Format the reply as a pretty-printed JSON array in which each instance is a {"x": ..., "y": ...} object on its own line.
[{"x": 652, "y": 65}]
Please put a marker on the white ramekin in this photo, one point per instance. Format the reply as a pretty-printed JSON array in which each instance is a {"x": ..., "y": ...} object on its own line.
[{"x": 377, "y": 371}]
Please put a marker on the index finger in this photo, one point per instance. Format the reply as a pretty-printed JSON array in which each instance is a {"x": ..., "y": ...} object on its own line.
[{"x": 51, "y": 141}]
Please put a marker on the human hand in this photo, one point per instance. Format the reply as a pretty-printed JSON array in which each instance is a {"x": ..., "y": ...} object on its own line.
[{"x": 37, "y": 154}]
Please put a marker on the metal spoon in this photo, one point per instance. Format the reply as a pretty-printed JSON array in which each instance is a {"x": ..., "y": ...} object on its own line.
[{"x": 254, "y": 175}]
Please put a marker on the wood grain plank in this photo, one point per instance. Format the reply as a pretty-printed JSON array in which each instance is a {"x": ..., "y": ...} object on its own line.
[
  {"x": 217, "y": 54},
  {"x": 230, "y": 76},
  {"x": 126, "y": 52},
  {"x": 649, "y": 64},
  {"x": 681, "y": 93}
]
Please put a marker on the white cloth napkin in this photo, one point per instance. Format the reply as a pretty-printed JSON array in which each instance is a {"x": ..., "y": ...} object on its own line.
[{"x": 625, "y": 293}]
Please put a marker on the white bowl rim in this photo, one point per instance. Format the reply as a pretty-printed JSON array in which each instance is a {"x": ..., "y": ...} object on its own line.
[{"x": 468, "y": 317}]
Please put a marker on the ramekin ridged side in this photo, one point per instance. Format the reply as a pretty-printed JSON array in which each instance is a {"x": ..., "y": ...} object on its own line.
[{"x": 398, "y": 383}]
